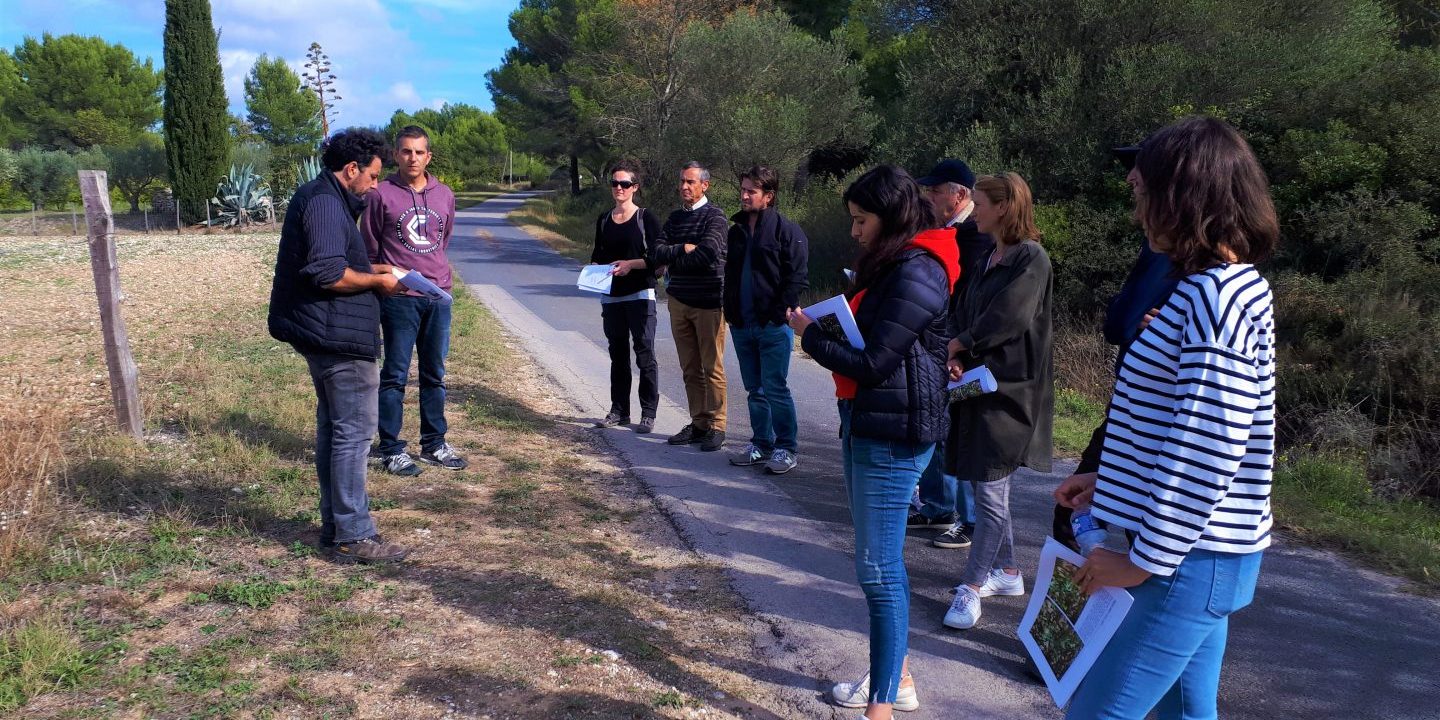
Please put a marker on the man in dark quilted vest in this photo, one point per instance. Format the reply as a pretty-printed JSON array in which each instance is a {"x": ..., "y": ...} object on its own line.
[{"x": 325, "y": 302}]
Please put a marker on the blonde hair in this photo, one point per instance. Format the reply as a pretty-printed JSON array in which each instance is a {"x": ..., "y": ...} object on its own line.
[{"x": 1017, "y": 222}]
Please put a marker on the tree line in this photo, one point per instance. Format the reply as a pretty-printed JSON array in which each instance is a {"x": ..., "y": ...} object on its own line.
[{"x": 1340, "y": 98}]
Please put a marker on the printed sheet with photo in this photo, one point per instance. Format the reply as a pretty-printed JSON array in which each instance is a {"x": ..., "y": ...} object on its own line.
[
  {"x": 1064, "y": 630},
  {"x": 834, "y": 317}
]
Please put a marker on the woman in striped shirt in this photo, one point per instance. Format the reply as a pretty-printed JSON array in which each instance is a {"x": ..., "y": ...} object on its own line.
[{"x": 1190, "y": 433}]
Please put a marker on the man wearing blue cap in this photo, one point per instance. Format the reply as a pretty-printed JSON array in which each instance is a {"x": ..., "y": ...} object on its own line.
[{"x": 950, "y": 185}]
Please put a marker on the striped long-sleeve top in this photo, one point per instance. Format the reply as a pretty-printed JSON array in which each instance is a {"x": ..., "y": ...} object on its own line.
[{"x": 1190, "y": 436}]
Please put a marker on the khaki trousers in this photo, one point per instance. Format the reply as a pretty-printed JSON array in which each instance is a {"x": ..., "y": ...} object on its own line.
[{"x": 700, "y": 343}]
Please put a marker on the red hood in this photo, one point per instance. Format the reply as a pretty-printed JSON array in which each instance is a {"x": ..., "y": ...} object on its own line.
[{"x": 940, "y": 242}]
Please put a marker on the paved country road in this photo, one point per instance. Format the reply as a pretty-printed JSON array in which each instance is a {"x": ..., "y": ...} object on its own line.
[{"x": 1324, "y": 638}]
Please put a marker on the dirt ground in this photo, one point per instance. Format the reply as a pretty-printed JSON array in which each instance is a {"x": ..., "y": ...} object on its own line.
[{"x": 543, "y": 582}]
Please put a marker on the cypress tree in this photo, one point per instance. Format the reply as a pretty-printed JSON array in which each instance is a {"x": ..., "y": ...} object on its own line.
[{"x": 197, "y": 143}]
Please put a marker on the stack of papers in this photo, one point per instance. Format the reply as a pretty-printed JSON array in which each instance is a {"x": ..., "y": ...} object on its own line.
[{"x": 596, "y": 279}]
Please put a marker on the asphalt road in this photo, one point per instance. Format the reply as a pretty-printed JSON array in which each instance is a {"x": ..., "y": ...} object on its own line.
[{"x": 1323, "y": 639}]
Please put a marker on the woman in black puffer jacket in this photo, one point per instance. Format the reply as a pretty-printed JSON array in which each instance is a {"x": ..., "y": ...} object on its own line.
[{"x": 892, "y": 406}]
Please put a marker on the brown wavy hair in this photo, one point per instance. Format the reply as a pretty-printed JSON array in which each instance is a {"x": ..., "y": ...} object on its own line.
[
  {"x": 1017, "y": 222},
  {"x": 1203, "y": 193}
]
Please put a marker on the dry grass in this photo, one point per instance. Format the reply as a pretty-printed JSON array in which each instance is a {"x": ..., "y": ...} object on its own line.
[
  {"x": 181, "y": 567},
  {"x": 30, "y": 463}
]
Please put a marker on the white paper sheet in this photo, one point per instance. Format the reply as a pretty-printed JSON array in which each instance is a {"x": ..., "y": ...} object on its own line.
[
  {"x": 975, "y": 381},
  {"x": 835, "y": 319},
  {"x": 421, "y": 284},
  {"x": 1072, "y": 627},
  {"x": 595, "y": 278}
]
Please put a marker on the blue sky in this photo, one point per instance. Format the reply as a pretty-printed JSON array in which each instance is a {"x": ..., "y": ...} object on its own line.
[{"x": 395, "y": 54}]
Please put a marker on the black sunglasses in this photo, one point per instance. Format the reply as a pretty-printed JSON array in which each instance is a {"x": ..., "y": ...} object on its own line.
[{"x": 623, "y": 184}]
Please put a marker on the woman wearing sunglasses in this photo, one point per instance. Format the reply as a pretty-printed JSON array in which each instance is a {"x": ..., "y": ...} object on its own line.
[{"x": 627, "y": 232}]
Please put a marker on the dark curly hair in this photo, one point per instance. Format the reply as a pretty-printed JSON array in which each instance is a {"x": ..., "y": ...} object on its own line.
[
  {"x": 890, "y": 193},
  {"x": 358, "y": 145}
]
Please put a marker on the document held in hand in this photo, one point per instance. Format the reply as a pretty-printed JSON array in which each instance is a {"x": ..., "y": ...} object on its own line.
[
  {"x": 975, "y": 381},
  {"x": 421, "y": 284},
  {"x": 1064, "y": 629},
  {"x": 834, "y": 317},
  {"x": 595, "y": 278}
]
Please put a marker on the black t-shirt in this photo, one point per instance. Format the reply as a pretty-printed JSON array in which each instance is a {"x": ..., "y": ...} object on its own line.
[{"x": 630, "y": 240}]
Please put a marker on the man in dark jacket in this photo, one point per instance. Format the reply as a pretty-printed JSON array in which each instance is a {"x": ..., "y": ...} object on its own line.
[
  {"x": 692, "y": 248},
  {"x": 942, "y": 501},
  {"x": 325, "y": 302},
  {"x": 767, "y": 269},
  {"x": 1151, "y": 281}
]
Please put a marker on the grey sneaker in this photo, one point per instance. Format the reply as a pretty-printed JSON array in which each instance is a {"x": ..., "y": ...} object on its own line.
[
  {"x": 371, "y": 550},
  {"x": 400, "y": 464},
  {"x": 781, "y": 462},
  {"x": 751, "y": 455},
  {"x": 444, "y": 456},
  {"x": 645, "y": 426},
  {"x": 611, "y": 420}
]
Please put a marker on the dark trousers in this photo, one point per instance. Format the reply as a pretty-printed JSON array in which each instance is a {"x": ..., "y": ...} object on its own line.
[
  {"x": 344, "y": 423},
  {"x": 627, "y": 323},
  {"x": 419, "y": 325}
]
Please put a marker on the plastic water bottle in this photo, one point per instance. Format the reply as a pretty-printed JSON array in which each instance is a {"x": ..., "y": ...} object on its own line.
[{"x": 1088, "y": 533}]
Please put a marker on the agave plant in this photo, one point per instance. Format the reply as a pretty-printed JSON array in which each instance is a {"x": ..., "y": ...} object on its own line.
[
  {"x": 307, "y": 170},
  {"x": 242, "y": 198}
]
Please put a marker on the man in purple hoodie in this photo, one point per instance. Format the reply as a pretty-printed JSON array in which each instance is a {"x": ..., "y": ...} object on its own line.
[{"x": 407, "y": 224}]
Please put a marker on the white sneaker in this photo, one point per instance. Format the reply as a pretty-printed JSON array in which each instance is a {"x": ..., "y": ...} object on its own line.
[
  {"x": 857, "y": 695},
  {"x": 1000, "y": 582},
  {"x": 964, "y": 609}
]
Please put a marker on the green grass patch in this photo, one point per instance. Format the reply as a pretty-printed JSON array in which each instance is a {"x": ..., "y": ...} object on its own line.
[
  {"x": 256, "y": 592},
  {"x": 1328, "y": 497},
  {"x": 39, "y": 656},
  {"x": 1076, "y": 418}
]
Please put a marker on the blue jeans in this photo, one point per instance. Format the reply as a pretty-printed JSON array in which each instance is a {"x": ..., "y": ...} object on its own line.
[
  {"x": 764, "y": 356},
  {"x": 1167, "y": 653},
  {"x": 880, "y": 476},
  {"x": 939, "y": 492},
  {"x": 344, "y": 423},
  {"x": 413, "y": 323}
]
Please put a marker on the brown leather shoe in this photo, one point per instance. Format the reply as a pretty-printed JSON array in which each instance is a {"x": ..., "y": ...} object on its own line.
[{"x": 370, "y": 551}]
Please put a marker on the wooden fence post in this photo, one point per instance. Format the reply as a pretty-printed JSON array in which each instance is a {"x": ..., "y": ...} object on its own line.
[{"x": 124, "y": 384}]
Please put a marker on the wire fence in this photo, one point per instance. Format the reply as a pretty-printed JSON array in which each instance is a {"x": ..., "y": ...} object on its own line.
[{"x": 164, "y": 215}]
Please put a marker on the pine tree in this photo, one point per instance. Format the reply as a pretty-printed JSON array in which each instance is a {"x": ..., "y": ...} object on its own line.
[{"x": 196, "y": 115}]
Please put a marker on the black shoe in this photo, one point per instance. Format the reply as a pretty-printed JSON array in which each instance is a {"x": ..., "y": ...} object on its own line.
[
  {"x": 917, "y": 519},
  {"x": 712, "y": 440},
  {"x": 645, "y": 426},
  {"x": 611, "y": 420},
  {"x": 687, "y": 435},
  {"x": 327, "y": 536},
  {"x": 952, "y": 539}
]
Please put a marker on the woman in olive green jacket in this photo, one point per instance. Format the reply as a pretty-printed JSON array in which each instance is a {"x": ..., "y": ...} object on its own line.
[{"x": 1003, "y": 323}]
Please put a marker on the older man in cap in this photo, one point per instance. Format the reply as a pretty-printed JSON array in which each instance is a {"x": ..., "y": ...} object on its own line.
[{"x": 941, "y": 501}]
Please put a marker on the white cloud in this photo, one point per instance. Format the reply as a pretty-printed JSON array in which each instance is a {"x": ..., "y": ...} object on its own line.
[
  {"x": 235, "y": 65},
  {"x": 405, "y": 94},
  {"x": 368, "y": 54},
  {"x": 438, "y": 103}
]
